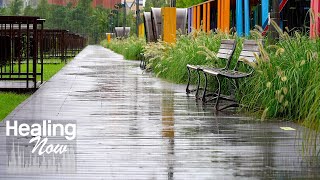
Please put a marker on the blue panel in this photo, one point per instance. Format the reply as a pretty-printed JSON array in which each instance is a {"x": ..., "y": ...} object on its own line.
[
  {"x": 281, "y": 21},
  {"x": 189, "y": 20},
  {"x": 246, "y": 18},
  {"x": 239, "y": 18},
  {"x": 264, "y": 13}
]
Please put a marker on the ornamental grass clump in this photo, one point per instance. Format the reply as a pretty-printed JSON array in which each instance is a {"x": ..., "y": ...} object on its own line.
[
  {"x": 169, "y": 60},
  {"x": 286, "y": 83},
  {"x": 131, "y": 48}
]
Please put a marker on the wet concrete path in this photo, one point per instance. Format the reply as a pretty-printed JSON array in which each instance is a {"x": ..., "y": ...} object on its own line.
[{"x": 131, "y": 125}]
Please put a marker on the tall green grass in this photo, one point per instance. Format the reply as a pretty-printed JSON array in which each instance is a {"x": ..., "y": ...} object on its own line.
[
  {"x": 131, "y": 48},
  {"x": 286, "y": 79},
  {"x": 285, "y": 84},
  {"x": 169, "y": 60}
]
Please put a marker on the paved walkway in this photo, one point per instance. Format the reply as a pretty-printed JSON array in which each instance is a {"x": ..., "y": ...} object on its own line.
[{"x": 131, "y": 125}]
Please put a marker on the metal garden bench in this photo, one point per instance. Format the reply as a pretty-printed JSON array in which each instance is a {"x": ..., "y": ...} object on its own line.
[
  {"x": 225, "y": 52},
  {"x": 247, "y": 56}
]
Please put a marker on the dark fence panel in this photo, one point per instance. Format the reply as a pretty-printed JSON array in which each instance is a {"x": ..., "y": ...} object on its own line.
[
  {"x": 20, "y": 49},
  {"x": 62, "y": 44},
  {"x": 23, "y": 46}
]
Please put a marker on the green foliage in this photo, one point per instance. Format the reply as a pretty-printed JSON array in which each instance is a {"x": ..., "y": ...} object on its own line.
[
  {"x": 42, "y": 9},
  {"x": 81, "y": 19},
  {"x": 29, "y": 11},
  {"x": 169, "y": 61},
  {"x": 154, "y": 3},
  {"x": 286, "y": 84},
  {"x": 15, "y": 7},
  {"x": 9, "y": 101},
  {"x": 3, "y": 11},
  {"x": 130, "y": 48},
  {"x": 58, "y": 22},
  {"x": 188, "y": 3},
  {"x": 286, "y": 79}
]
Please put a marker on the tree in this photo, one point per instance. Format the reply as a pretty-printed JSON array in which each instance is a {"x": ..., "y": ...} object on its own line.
[
  {"x": 3, "y": 11},
  {"x": 188, "y": 3},
  {"x": 43, "y": 9},
  {"x": 15, "y": 7},
  {"x": 28, "y": 11},
  {"x": 154, "y": 3},
  {"x": 57, "y": 22},
  {"x": 100, "y": 22}
]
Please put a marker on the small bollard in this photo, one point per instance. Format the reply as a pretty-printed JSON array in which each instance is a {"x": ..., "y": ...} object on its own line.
[{"x": 108, "y": 37}]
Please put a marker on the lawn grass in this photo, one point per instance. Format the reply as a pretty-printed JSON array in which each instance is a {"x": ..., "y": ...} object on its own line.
[
  {"x": 9, "y": 100},
  {"x": 50, "y": 70}
]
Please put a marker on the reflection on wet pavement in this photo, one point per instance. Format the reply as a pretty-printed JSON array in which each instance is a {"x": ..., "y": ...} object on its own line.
[{"x": 131, "y": 125}]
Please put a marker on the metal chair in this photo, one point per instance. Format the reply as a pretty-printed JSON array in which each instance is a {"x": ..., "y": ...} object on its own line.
[
  {"x": 225, "y": 52},
  {"x": 247, "y": 56}
]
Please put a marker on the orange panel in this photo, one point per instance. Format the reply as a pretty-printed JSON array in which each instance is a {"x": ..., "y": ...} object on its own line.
[
  {"x": 219, "y": 14},
  {"x": 222, "y": 14},
  {"x": 226, "y": 16},
  {"x": 208, "y": 17},
  {"x": 198, "y": 17},
  {"x": 194, "y": 16},
  {"x": 204, "y": 20}
]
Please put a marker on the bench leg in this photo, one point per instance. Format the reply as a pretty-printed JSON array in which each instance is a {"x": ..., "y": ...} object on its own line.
[
  {"x": 141, "y": 64},
  {"x": 198, "y": 85},
  {"x": 144, "y": 65},
  {"x": 189, "y": 78},
  {"x": 218, "y": 94},
  {"x": 205, "y": 88},
  {"x": 234, "y": 103}
]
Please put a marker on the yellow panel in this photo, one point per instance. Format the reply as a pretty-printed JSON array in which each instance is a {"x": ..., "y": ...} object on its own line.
[
  {"x": 109, "y": 37},
  {"x": 204, "y": 21},
  {"x": 208, "y": 17},
  {"x": 169, "y": 25},
  {"x": 141, "y": 30},
  {"x": 198, "y": 17}
]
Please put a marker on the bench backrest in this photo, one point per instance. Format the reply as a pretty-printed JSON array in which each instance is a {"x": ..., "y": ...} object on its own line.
[
  {"x": 226, "y": 50},
  {"x": 249, "y": 51}
]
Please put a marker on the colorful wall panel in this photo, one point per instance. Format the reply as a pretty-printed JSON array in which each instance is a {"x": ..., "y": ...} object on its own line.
[
  {"x": 315, "y": 19},
  {"x": 169, "y": 24},
  {"x": 216, "y": 14},
  {"x": 182, "y": 19},
  {"x": 148, "y": 27}
]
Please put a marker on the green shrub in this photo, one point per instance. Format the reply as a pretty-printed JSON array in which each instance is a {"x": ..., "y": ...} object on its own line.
[
  {"x": 131, "y": 48},
  {"x": 285, "y": 84},
  {"x": 169, "y": 60}
]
